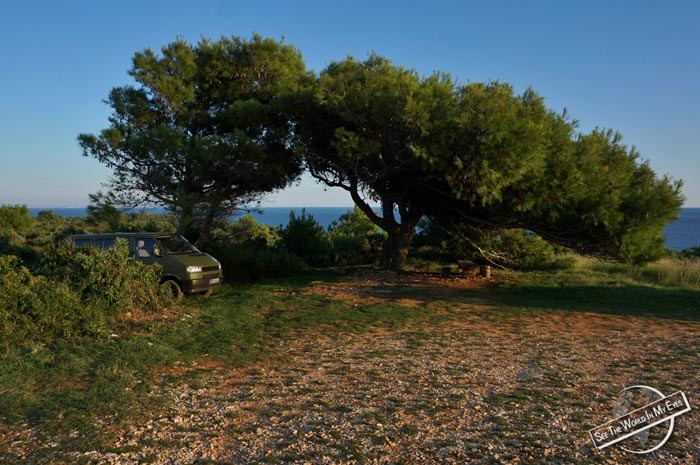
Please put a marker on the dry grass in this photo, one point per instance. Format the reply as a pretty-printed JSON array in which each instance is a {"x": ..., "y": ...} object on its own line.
[{"x": 676, "y": 272}]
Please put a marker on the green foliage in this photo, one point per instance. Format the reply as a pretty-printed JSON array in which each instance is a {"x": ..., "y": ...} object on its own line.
[
  {"x": 205, "y": 130},
  {"x": 249, "y": 250},
  {"x": 675, "y": 272},
  {"x": 80, "y": 292},
  {"x": 102, "y": 213},
  {"x": 104, "y": 216},
  {"x": 354, "y": 239},
  {"x": 435, "y": 242},
  {"x": 50, "y": 228},
  {"x": 34, "y": 308},
  {"x": 247, "y": 229},
  {"x": 362, "y": 130},
  {"x": 254, "y": 261},
  {"x": 479, "y": 156},
  {"x": 519, "y": 249},
  {"x": 587, "y": 191},
  {"x": 305, "y": 237},
  {"x": 691, "y": 252},
  {"x": 144, "y": 221},
  {"x": 512, "y": 248},
  {"x": 15, "y": 220},
  {"x": 110, "y": 278}
]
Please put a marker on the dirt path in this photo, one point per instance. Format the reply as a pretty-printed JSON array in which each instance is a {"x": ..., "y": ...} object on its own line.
[{"x": 480, "y": 387}]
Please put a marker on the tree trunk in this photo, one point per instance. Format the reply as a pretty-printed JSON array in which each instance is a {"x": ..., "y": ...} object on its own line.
[
  {"x": 399, "y": 235},
  {"x": 185, "y": 225},
  {"x": 396, "y": 247},
  {"x": 205, "y": 228}
]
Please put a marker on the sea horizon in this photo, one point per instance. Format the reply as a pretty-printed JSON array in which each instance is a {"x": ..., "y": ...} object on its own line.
[{"x": 681, "y": 234}]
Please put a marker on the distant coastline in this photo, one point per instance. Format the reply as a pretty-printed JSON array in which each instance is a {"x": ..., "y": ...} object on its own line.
[{"x": 680, "y": 234}]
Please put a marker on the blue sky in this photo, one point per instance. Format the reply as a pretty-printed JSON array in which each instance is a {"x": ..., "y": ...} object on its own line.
[{"x": 630, "y": 66}]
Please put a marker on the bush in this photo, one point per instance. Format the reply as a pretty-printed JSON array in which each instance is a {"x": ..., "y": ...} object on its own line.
[
  {"x": 111, "y": 278},
  {"x": 354, "y": 239},
  {"x": 305, "y": 237},
  {"x": 520, "y": 249},
  {"x": 29, "y": 255},
  {"x": 15, "y": 219},
  {"x": 434, "y": 243},
  {"x": 513, "y": 248},
  {"x": 247, "y": 229},
  {"x": 249, "y": 250},
  {"x": 254, "y": 261},
  {"x": 691, "y": 252},
  {"x": 34, "y": 308},
  {"x": 80, "y": 292},
  {"x": 50, "y": 228}
]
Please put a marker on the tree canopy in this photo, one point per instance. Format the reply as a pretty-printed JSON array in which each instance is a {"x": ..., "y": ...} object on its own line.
[
  {"x": 478, "y": 156},
  {"x": 218, "y": 124},
  {"x": 205, "y": 128}
]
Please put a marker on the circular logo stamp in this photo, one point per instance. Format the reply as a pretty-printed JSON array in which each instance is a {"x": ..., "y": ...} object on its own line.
[{"x": 643, "y": 419}]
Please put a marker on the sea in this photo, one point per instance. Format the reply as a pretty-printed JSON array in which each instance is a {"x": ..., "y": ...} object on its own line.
[{"x": 680, "y": 234}]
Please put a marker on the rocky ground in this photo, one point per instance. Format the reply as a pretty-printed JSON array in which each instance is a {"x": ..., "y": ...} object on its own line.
[{"x": 484, "y": 384}]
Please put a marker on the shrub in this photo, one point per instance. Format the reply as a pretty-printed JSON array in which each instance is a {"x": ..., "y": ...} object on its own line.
[
  {"x": 145, "y": 221},
  {"x": 81, "y": 292},
  {"x": 29, "y": 255},
  {"x": 520, "y": 249},
  {"x": 513, "y": 248},
  {"x": 49, "y": 228},
  {"x": 305, "y": 237},
  {"x": 15, "y": 219},
  {"x": 247, "y": 229},
  {"x": 107, "y": 278},
  {"x": 253, "y": 261},
  {"x": 249, "y": 250},
  {"x": 32, "y": 308},
  {"x": 434, "y": 243},
  {"x": 355, "y": 239},
  {"x": 691, "y": 252}
]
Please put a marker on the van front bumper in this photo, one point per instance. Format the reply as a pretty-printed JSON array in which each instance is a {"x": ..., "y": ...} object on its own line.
[{"x": 201, "y": 285}]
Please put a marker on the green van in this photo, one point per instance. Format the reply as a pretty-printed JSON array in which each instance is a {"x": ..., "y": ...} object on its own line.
[{"x": 184, "y": 268}]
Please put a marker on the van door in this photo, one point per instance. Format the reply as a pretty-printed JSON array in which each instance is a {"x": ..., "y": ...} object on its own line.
[{"x": 145, "y": 249}]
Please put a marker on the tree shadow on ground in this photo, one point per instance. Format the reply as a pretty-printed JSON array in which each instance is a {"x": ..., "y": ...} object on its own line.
[{"x": 647, "y": 301}]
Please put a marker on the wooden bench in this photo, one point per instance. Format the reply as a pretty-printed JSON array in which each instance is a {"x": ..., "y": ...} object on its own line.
[{"x": 471, "y": 269}]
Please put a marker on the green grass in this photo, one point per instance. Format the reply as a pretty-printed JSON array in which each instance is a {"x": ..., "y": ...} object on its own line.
[
  {"x": 605, "y": 287},
  {"x": 63, "y": 387}
]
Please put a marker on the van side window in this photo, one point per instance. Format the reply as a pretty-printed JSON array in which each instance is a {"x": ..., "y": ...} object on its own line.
[
  {"x": 144, "y": 247},
  {"x": 83, "y": 242},
  {"x": 105, "y": 243}
]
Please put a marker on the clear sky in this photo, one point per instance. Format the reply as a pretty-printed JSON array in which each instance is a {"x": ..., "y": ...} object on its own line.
[{"x": 632, "y": 66}]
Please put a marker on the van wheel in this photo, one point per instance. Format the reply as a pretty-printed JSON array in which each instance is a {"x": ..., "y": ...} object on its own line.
[{"x": 174, "y": 288}]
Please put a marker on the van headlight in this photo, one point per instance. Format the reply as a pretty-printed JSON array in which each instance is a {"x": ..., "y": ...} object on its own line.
[{"x": 194, "y": 269}]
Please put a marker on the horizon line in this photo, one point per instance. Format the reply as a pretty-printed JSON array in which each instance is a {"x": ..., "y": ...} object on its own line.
[{"x": 242, "y": 208}]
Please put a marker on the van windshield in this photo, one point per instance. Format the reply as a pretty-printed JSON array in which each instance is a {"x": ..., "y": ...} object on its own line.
[{"x": 176, "y": 245}]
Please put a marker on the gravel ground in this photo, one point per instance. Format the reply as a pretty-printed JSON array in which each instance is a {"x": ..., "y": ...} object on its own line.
[{"x": 481, "y": 386}]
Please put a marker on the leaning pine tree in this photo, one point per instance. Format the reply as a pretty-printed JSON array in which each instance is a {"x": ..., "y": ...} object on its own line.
[
  {"x": 204, "y": 130},
  {"x": 478, "y": 157}
]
